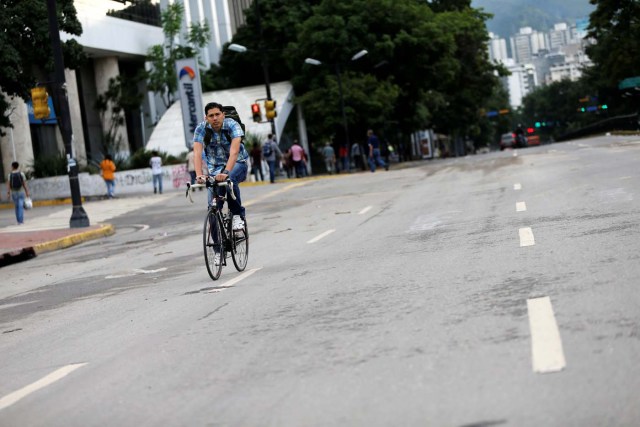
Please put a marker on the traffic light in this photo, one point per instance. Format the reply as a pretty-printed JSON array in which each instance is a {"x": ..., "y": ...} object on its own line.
[
  {"x": 255, "y": 111},
  {"x": 40, "y": 102},
  {"x": 270, "y": 109}
]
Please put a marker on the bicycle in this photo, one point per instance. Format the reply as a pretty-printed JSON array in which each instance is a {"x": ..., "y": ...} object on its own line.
[{"x": 218, "y": 238}]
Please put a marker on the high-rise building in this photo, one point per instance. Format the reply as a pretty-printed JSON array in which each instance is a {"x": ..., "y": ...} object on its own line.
[{"x": 497, "y": 48}]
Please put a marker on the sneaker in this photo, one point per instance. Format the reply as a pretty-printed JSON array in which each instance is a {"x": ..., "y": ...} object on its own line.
[
  {"x": 216, "y": 259},
  {"x": 238, "y": 223}
]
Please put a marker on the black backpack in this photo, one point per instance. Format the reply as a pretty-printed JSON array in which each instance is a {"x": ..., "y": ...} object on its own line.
[
  {"x": 15, "y": 181},
  {"x": 230, "y": 112}
]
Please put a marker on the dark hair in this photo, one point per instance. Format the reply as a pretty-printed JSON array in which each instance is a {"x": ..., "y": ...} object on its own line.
[
  {"x": 211, "y": 105},
  {"x": 108, "y": 157},
  {"x": 15, "y": 165}
]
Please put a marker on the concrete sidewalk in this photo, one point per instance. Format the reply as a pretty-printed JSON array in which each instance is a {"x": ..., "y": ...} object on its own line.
[{"x": 46, "y": 226}]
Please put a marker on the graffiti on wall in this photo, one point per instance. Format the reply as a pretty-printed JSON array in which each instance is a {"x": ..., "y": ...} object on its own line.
[{"x": 127, "y": 182}]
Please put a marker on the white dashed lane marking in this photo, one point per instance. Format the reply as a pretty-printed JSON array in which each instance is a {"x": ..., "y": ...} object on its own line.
[
  {"x": 517, "y": 186},
  {"x": 12, "y": 398},
  {"x": 526, "y": 237},
  {"x": 322, "y": 236},
  {"x": 546, "y": 346},
  {"x": 521, "y": 206},
  {"x": 235, "y": 280},
  {"x": 365, "y": 210}
]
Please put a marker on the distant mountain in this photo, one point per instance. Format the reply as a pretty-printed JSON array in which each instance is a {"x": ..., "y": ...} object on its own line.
[{"x": 510, "y": 15}]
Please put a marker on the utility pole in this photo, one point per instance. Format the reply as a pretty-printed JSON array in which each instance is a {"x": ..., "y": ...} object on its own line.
[{"x": 79, "y": 217}]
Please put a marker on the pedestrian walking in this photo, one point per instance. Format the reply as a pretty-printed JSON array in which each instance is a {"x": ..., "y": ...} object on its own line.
[
  {"x": 156, "y": 170},
  {"x": 298, "y": 158},
  {"x": 343, "y": 152},
  {"x": 18, "y": 191},
  {"x": 271, "y": 153},
  {"x": 256, "y": 162},
  {"x": 374, "y": 152},
  {"x": 329, "y": 156},
  {"x": 356, "y": 155},
  {"x": 108, "y": 172}
]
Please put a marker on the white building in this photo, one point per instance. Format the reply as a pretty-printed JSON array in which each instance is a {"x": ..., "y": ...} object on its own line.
[
  {"x": 497, "y": 48},
  {"x": 527, "y": 43},
  {"x": 116, "y": 46},
  {"x": 521, "y": 81}
]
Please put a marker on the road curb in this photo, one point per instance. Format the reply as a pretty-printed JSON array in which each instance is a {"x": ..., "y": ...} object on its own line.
[{"x": 64, "y": 242}]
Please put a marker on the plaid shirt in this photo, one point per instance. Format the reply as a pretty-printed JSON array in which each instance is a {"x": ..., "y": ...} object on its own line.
[{"x": 216, "y": 153}]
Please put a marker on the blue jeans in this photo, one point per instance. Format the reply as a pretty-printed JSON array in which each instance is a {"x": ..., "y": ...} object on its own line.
[
  {"x": 111, "y": 185},
  {"x": 376, "y": 160},
  {"x": 272, "y": 170},
  {"x": 18, "y": 202},
  {"x": 237, "y": 175},
  {"x": 157, "y": 182}
]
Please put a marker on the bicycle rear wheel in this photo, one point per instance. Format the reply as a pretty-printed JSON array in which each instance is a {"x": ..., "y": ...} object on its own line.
[
  {"x": 240, "y": 247},
  {"x": 212, "y": 241}
]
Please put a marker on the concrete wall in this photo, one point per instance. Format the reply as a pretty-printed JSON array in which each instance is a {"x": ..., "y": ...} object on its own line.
[{"x": 127, "y": 182}]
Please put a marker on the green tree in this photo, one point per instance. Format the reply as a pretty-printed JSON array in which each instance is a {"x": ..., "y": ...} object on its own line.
[
  {"x": 162, "y": 78},
  {"x": 614, "y": 29},
  {"x": 418, "y": 59},
  {"x": 474, "y": 76},
  {"x": 26, "y": 56},
  {"x": 558, "y": 106}
]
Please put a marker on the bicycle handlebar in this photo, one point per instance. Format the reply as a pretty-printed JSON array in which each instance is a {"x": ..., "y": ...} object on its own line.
[{"x": 210, "y": 182}]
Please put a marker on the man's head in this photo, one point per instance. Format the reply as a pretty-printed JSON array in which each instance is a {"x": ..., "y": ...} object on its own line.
[
  {"x": 214, "y": 115},
  {"x": 369, "y": 132},
  {"x": 15, "y": 165}
]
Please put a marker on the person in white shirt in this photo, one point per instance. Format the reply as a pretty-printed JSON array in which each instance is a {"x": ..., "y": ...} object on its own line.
[{"x": 156, "y": 170}]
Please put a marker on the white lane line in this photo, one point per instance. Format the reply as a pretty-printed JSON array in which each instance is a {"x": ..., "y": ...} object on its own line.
[
  {"x": 546, "y": 345},
  {"x": 12, "y": 398},
  {"x": 521, "y": 206},
  {"x": 517, "y": 186},
  {"x": 275, "y": 192},
  {"x": 526, "y": 237},
  {"x": 365, "y": 210},
  {"x": 322, "y": 236},
  {"x": 235, "y": 280},
  {"x": 515, "y": 153}
]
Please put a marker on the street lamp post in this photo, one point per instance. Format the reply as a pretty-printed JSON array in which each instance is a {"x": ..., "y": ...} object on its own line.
[
  {"x": 345, "y": 124},
  {"x": 79, "y": 217}
]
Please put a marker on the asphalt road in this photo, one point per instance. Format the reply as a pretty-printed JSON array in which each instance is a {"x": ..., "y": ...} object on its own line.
[{"x": 498, "y": 289}]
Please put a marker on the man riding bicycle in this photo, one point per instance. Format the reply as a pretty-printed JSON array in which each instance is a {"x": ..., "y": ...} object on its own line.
[{"x": 219, "y": 141}]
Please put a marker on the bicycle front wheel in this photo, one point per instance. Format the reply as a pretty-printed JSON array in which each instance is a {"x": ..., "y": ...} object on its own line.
[
  {"x": 240, "y": 247},
  {"x": 213, "y": 248}
]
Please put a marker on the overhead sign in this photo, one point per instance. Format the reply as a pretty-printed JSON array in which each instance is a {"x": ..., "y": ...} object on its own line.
[
  {"x": 190, "y": 92},
  {"x": 629, "y": 83}
]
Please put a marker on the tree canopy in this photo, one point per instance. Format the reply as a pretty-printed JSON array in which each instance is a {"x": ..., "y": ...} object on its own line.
[
  {"x": 426, "y": 64},
  {"x": 26, "y": 56}
]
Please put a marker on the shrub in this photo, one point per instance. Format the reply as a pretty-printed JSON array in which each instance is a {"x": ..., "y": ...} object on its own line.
[{"x": 45, "y": 166}]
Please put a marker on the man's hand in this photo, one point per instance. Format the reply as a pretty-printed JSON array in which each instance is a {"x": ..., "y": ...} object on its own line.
[
  {"x": 221, "y": 177},
  {"x": 201, "y": 179}
]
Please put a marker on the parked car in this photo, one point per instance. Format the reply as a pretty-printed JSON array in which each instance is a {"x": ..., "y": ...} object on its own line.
[
  {"x": 507, "y": 140},
  {"x": 510, "y": 140}
]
